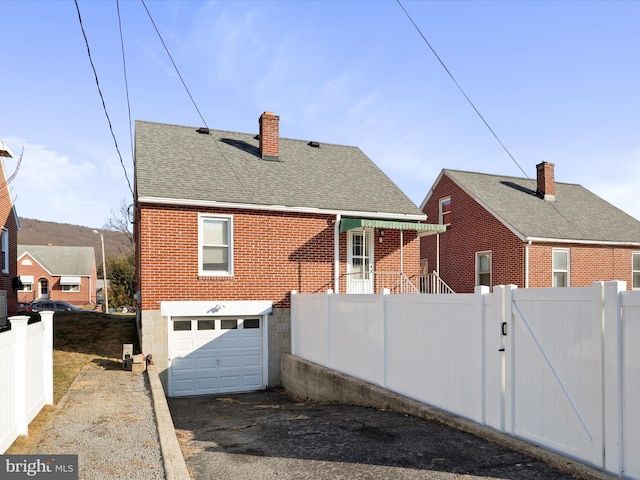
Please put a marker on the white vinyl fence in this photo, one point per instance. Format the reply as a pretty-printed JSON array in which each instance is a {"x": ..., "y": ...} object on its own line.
[
  {"x": 26, "y": 374},
  {"x": 559, "y": 367}
]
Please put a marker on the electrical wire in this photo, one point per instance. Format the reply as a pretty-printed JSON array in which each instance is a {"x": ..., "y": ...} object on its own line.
[
  {"x": 174, "y": 64},
  {"x": 126, "y": 82},
  {"x": 216, "y": 143},
  {"x": 104, "y": 106},
  {"x": 460, "y": 88}
]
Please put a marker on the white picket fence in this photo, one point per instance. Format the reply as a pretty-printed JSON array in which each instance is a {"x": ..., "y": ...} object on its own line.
[
  {"x": 557, "y": 367},
  {"x": 26, "y": 374}
]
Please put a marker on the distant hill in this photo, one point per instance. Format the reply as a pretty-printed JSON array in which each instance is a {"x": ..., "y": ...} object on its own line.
[{"x": 38, "y": 232}]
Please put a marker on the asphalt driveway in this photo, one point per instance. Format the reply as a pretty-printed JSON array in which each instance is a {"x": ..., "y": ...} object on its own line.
[{"x": 267, "y": 435}]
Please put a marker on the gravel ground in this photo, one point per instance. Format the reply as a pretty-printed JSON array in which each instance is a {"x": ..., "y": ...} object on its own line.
[{"x": 107, "y": 419}]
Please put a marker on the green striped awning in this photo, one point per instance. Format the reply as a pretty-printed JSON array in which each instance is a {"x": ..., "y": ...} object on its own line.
[{"x": 422, "y": 228}]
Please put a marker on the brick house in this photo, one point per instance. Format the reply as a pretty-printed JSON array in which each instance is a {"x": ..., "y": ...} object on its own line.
[
  {"x": 57, "y": 273},
  {"x": 9, "y": 225},
  {"x": 229, "y": 224},
  {"x": 530, "y": 233}
]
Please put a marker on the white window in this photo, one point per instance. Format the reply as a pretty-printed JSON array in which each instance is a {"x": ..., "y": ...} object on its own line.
[
  {"x": 5, "y": 250},
  {"x": 27, "y": 283},
  {"x": 444, "y": 214},
  {"x": 560, "y": 267},
  {"x": 215, "y": 245},
  {"x": 635, "y": 270},
  {"x": 70, "y": 288},
  {"x": 483, "y": 269}
]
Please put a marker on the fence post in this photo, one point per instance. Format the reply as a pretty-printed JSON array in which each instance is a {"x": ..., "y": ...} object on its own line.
[
  {"x": 508, "y": 376},
  {"x": 480, "y": 292},
  {"x": 19, "y": 326},
  {"x": 46, "y": 319},
  {"x": 293, "y": 322},
  {"x": 612, "y": 376}
]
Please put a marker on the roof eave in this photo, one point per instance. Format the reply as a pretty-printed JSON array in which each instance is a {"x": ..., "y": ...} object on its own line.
[{"x": 280, "y": 208}]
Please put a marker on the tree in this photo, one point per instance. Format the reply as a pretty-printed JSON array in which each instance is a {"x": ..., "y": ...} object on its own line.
[
  {"x": 122, "y": 273},
  {"x": 120, "y": 221}
]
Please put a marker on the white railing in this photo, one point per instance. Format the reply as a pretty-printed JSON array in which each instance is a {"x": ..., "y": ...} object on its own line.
[
  {"x": 375, "y": 282},
  {"x": 26, "y": 374},
  {"x": 558, "y": 367},
  {"x": 431, "y": 283}
]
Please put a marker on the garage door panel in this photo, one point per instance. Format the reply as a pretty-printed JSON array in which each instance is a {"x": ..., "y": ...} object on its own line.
[{"x": 209, "y": 359}]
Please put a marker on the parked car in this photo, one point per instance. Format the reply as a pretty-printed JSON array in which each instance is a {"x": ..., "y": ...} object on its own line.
[{"x": 54, "y": 305}]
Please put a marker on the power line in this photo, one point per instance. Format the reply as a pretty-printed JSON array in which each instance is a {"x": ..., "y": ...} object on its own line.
[
  {"x": 104, "y": 106},
  {"x": 460, "y": 88},
  {"x": 230, "y": 164},
  {"x": 126, "y": 82},
  {"x": 174, "y": 64}
]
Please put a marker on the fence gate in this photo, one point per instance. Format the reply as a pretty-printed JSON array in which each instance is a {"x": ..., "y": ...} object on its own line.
[{"x": 553, "y": 370}]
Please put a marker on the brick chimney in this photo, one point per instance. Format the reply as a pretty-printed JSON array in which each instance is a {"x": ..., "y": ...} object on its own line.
[
  {"x": 269, "y": 136},
  {"x": 546, "y": 181}
]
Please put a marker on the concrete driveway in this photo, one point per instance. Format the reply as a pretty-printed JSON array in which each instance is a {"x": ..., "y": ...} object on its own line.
[{"x": 267, "y": 435}]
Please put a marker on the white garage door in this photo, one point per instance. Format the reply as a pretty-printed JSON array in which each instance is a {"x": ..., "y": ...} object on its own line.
[{"x": 215, "y": 355}]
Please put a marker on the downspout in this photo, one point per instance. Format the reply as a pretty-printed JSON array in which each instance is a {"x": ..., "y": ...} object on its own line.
[
  {"x": 401, "y": 251},
  {"x": 526, "y": 265},
  {"x": 438, "y": 254},
  {"x": 336, "y": 254}
]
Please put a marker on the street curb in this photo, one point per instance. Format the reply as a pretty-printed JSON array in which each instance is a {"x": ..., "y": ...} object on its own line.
[
  {"x": 174, "y": 465},
  {"x": 308, "y": 380}
]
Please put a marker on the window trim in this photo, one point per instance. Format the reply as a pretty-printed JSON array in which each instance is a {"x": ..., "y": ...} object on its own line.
[
  {"x": 553, "y": 266},
  {"x": 5, "y": 250},
  {"x": 489, "y": 253},
  {"x": 442, "y": 213},
  {"x": 215, "y": 273},
  {"x": 633, "y": 287}
]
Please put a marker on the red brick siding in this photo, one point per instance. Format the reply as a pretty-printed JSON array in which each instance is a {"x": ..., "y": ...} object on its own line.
[
  {"x": 473, "y": 229},
  {"x": 273, "y": 253},
  {"x": 588, "y": 264},
  {"x": 8, "y": 221}
]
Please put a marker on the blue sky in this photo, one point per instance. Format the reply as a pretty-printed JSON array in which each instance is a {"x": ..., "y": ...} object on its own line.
[{"x": 557, "y": 82}]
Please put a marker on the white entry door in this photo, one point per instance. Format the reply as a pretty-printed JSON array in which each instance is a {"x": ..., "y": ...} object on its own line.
[
  {"x": 360, "y": 262},
  {"x": 215, "y": 355}
]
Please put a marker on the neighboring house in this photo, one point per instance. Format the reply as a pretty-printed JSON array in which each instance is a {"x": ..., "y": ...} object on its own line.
[
  {"x": 57, "y": 273},
  {"x": 9, "y": 225},
  {"x": 228, "y": 224},
  {"x": 530, "y": 233}
]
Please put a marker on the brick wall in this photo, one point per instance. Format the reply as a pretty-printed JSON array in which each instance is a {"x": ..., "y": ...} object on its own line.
[
  {"x": 8, "y": 220},
  {"x": 588, "y": 264},
  {"x": 473, "y": 230},
  {"x": 273, "y": 253}
]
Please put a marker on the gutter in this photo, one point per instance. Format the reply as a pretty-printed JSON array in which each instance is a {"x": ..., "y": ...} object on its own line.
[{"x": 281, "y": 208}]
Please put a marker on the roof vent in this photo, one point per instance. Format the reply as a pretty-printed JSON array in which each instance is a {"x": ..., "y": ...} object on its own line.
[
  {"x": 204, "y": 130},
  {"x": 314, "y": 144}
]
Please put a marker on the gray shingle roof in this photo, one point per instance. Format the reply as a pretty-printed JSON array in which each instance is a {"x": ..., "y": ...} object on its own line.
[
  {"x": 576, "y": 214},
  {"x": 58, "y": 260},
  {"x": 176, "y": 162}
]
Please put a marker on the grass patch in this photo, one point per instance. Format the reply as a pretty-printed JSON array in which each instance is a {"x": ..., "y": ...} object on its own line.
[{"x": 80, "y": 340}]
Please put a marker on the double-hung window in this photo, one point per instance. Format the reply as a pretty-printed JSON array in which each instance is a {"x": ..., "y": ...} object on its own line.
[
  {"x": 635, "y": 270},
  {"x": 483, "y": 269},
  {"x": 561, "y": 267},
  {"x": 444, "y": 213},
  {"x": 5, "y": 250},
  {"x": 215, "y": 245}
]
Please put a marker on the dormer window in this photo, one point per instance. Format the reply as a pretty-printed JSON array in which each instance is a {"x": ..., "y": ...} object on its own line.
[{"x": 445, "y": 211}]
